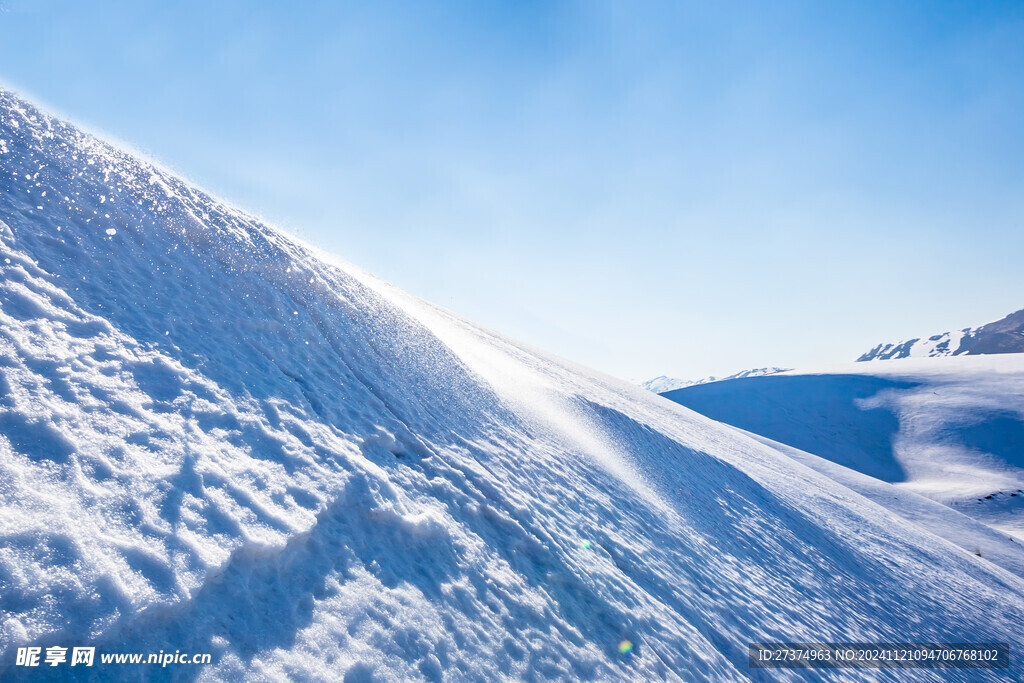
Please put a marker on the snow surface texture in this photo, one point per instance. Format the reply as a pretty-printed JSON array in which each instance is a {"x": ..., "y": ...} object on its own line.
[
  {"x": 948, "y": 428},
  {"x": 1002, "y": 336},
  {"x": 661, "y": 384},
  {"x": 966, "y": 532},
  {"x": 216, "y": 440}
]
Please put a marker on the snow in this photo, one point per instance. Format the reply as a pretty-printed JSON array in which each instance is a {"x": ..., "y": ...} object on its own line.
[
  {"x": 1005, "y": 335},
  {"x": 945, "y": 344},
  {"x": 964, "y": 531},
  {"x": 216, "y": 439},
  {"x": 662, "y": 384},
  {"x": 949, "y": 428}
]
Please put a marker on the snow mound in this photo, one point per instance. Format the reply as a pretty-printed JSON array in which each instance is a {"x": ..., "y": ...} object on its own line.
[{"x": 216, "y": 440}]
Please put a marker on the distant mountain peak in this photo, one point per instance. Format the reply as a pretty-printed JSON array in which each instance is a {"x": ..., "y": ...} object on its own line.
[
  {"x": 1005, "y": 335},
  {"x": 662, "y": 384}
]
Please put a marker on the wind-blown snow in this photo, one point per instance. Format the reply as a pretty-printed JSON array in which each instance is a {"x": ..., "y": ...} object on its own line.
[{"x": 217, "y": 440}]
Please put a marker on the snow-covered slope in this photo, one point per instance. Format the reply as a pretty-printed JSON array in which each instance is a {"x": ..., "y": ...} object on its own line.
[
  {"x": 1005, "y": 335},
  {"x": 949, "y": 428},
  {"x": 966, "y": 532},
  {"x": 662, "y": 384},
  {"x": 216, "y": 440}
]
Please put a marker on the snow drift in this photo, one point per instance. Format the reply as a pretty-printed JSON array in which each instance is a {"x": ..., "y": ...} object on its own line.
[{"x": 217, "y": 440}]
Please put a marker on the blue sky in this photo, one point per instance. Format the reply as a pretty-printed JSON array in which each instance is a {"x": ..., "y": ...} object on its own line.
[{"x": 646, "y": 188}]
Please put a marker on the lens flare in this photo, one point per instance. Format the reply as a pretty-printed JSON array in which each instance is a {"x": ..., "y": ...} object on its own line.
[
  {"x": 585, "y": 545},
  {"x": 625, "y": 647}
]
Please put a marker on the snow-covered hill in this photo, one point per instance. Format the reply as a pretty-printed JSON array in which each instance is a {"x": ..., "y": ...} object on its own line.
[
  {"x": 949, "y": 428},
  {"x": 215, "y": 439},
  {"x": 1005, "y": 335},
  {"x": 661, "y": 384}
]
